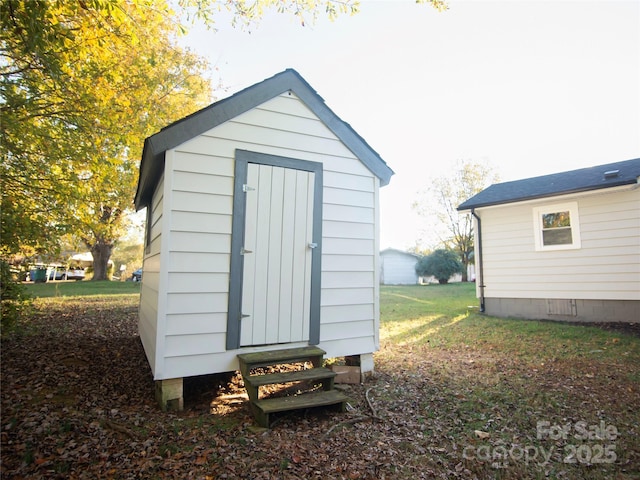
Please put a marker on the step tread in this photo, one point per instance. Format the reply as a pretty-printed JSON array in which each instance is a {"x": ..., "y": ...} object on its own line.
[
  {"x": 306, "y": 400},
  {"x": 294, "y": 376},
  {"x": 271, "y": 357}
]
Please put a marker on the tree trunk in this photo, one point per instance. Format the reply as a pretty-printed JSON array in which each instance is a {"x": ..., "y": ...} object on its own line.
[
  {"x": 101, "y": 253},
  {"x": 465, "y": 269}
]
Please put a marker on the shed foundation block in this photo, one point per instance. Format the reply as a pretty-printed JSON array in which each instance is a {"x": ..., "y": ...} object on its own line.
[
  {"x": 366, "y": 366},
  {"x": 170, "y": 394},
  {"x": 356, "y": 369}
]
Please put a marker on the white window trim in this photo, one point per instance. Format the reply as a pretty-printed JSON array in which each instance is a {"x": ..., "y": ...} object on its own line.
[{"x": 572, "y": 207}]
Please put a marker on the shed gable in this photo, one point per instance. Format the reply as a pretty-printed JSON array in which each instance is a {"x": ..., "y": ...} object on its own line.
[{"x": 153, "y": 157}]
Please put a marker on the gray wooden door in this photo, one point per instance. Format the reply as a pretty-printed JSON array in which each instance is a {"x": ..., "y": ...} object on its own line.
[{"x": 277, "y": 254}]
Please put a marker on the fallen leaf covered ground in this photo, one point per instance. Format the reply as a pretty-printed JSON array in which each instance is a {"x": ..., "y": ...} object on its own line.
[{"x": 78, "y": 403}]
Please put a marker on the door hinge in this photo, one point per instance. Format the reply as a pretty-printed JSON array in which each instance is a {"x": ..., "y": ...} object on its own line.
[{"x": 247, "y": 188}]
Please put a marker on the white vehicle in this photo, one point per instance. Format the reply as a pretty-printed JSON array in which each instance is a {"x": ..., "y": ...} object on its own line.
[{"x": 75, "y": 274}]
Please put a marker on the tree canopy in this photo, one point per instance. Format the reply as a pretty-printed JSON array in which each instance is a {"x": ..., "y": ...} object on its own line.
[
  {"x": 82, "y": 86},
  {"x": 441, "y": 264},
  {"x": 82, "y": 83},
  {"x": 441, "y": 199}
]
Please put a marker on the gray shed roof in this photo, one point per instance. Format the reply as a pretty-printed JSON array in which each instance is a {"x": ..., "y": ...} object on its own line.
[
  {"x": 574, "y": 181},
  {"x": 152, "y": 163}
]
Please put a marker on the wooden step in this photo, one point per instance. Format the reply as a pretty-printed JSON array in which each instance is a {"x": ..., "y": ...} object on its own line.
[
  {"x": 312, "y": 374},
  {"x": 262, "y": 408},
  {"x": 275, "y": 357}
]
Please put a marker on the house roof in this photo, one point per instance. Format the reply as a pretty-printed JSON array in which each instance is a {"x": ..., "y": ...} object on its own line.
[
  {"x": 402, "y": 252},
  {"x": 574, "y": 181},
  {"x": 152, "y": 163}
]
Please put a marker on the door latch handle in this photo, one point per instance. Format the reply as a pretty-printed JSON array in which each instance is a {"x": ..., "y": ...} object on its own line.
[
  {"x": 244, "y": 250},
  {"x": 313, "y": 245}
]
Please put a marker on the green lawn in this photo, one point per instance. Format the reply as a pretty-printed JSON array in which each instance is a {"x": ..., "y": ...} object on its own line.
[
  {"x": 503, "y": 378},
  {"x": 81, "y": 288},
  {"x": 448, "y": 316}
]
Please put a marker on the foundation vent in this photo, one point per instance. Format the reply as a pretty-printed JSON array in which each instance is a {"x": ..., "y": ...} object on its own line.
[{"x": 565, "y": 308}]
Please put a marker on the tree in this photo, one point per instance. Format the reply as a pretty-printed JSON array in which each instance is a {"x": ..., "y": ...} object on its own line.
[
  {"x": 442, "y": 264},
  {"x": 82, "y": 83},
  {"x": 441, "y": 202},
  {"x": 74, "y": 116}
]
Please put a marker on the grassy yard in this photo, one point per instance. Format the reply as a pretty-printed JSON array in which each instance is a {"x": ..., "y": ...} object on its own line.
[
  {"x": 81, "y": 288},
  {"x": 513, "y": 398},
  {"x": 456, "y": 394}
]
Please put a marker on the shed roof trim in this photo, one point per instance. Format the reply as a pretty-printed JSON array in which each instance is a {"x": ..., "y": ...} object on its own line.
[
  {"x": 402, "y": 252},
  {"x": 574, "y": 181},
  {"x": 152, "y": 163}
]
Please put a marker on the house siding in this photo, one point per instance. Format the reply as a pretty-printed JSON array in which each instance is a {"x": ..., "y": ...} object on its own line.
[
  {"x": 398, "y": 268},
  {"x": 148, "y": 311},
  {"x": 605, "y": 269},
  {"x": 199, "y": 220}
]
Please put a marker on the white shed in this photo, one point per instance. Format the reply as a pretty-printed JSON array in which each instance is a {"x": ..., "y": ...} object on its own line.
[
  {"x": 564, "y": 246},
  {"x": 262, "y": 232},
  {"x": 398, "y": 267}
]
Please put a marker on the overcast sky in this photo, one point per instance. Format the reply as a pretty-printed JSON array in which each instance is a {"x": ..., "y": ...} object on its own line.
[{"x": 531, "y": 87}]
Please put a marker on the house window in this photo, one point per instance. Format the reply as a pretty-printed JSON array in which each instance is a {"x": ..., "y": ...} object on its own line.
[{"x": 556, "y": 227}]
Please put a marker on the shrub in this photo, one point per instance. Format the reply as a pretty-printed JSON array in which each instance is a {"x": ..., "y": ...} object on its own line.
[
  {"x": 442, "y": 264},
  {"x": 14, "y": 300}
]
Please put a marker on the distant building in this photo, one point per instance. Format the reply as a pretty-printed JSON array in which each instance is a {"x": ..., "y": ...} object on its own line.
[{"x": 398, "y": 267}]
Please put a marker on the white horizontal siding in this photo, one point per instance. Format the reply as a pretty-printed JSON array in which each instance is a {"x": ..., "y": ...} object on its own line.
[
  {"x": 178, "y": 303},
  {"x": 196, "y": 323},
  {"x": 354, "y": 198},
  {"x": 347, "y": 296},
  {"x": 347, "y": 263},
  {"x": 198, "y": 182},
  {"x": 270, "y": 134},
  {"x": 149, "y": 291},
  {"x": 398, "y": 268},
  {"x": 199, "y": 231},
  {"x": 201, "y": 222},
  {"x": 341, "y": 331},
  {"x": 607, "y": 266},
  {"x": 198, "y": 262},
  {"x": 343, "y": 213},
  {"x": 198, "y": 282},
  {"x": 202, "y": 203},
  {"x": 202, "y": 242},
  {"x": 348, "y": 246},
  {"x": 147, "y": 323},
  {"x": 337, "y": 313},
  {"x": 347, "y": 279},
  {"x": 346, "y": 181},
  {"x": 196, "y": 157},
  {"x": 195, "y": 344}
]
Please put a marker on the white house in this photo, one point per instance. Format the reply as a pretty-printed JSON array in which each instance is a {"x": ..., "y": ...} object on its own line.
[
  {"x": 398, "y": 267},
  {"x": 262, "y": 232},
  {"x": 564, "y": 246}
]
